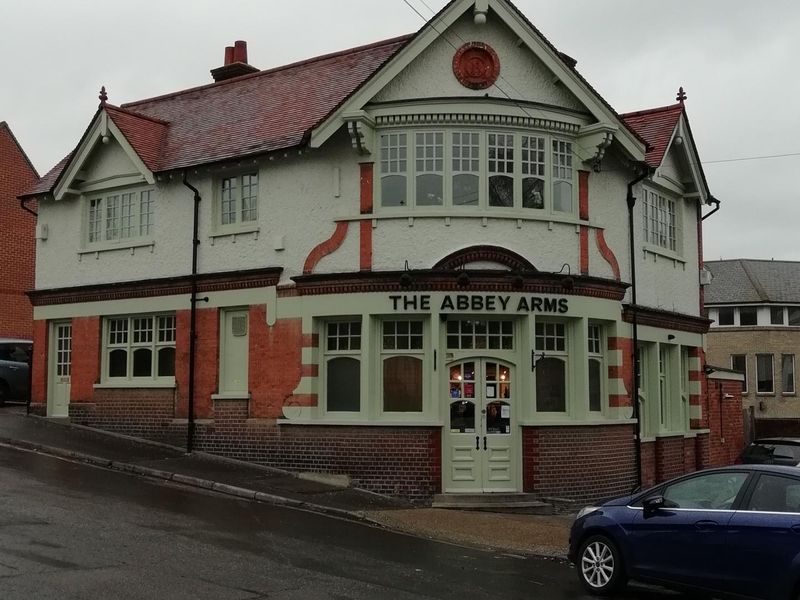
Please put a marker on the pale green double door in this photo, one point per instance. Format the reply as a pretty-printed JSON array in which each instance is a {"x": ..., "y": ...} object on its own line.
[{"x": 481, "y": 439}]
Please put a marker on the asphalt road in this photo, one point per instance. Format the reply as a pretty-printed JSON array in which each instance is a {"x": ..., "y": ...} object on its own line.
[{"x": 70, "y": 531}]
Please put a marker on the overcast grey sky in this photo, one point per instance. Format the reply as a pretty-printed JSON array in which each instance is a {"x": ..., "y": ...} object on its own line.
[{"x": 735, "y": 58}]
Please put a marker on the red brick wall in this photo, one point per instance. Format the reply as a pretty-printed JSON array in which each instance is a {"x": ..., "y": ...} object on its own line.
[
  {"x": 648, "y": 457},
  {"x": 206, "y": 380},
  {"x": 85, "y": 358},
  {"x": 17, "y": 244},
  {"x": 275, "y": 362},
  {"x": 146, "y": 413},
  {"x": 670, "y": 459},
  {"x": 39, "y": 366},
  {"x": 725, "y": 421},
  {"x": 578, "y": 463}
]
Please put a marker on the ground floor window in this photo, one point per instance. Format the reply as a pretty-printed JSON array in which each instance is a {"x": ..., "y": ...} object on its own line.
[
  {"x": 343, "y": 366},
  {"x": 551, "y": 366},
  {"x": 402, "y": 360},
  {"x": 139, "y": 348}
]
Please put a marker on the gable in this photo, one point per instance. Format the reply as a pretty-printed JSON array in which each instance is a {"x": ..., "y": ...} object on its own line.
[
  {"x": 523, "y": 76},
  {"x": 106, "y": 163}
]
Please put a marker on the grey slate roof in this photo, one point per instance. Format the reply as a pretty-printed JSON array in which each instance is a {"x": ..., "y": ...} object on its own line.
[{"x": 745, "y": 280}]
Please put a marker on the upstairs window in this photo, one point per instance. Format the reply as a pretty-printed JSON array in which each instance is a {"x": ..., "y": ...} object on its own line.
[
  {"x": 660, "y": 220},
  {"x": 238, "y": 200},
  {"x": 121, "y": 216},
  {"x": 491, "y": 170}
]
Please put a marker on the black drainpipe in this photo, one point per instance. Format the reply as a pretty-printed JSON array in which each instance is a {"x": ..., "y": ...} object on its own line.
[
  {"x": 193, "y": 313},
  {"x": 644, "y": 171},
  {"x": 30, "y": 363}
]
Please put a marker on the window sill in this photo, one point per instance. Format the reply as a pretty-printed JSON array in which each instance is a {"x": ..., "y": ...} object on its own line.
[
  {"x": 788, "y": 394},
  {"x": 662, "y": 253},
  {"x": 231, "y": 396},
  {"x": 127, "y": 384},
  {"x": 565, "y": 421},
  {"x": 130, "y": 246},
  {"x": 521, "y": 215},
  {"x": 362, "y": 423},
  {"x": 235, "y": 233}
]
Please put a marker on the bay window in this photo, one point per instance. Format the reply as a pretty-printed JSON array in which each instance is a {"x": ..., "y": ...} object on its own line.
[{"x": 490, "y": 170}]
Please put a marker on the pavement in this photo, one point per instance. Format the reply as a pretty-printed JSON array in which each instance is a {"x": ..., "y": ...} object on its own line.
[{"x": 540, "y": 535}]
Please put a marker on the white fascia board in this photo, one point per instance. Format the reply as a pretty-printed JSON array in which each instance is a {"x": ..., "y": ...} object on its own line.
[
  {"x": 102, "y": 126},
  {"x": 429, "y": 33},
  {"x": 569, "y": 79},
  {"x": 692, "y": 157}
]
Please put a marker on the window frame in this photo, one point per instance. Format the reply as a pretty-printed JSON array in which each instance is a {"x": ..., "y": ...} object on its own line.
[
  {"x": 384, "y": 354},
  {"x": 597, "y": 355},
  {"x": 97, "y": 222},
  {"x": 326, "y": 355},
  {"x": 771, "y": 391},
  {"x": 130, "y": 346},
  {"x": 662, "y": 230},
  {"x": 238, "y": 225},
  {"x": 793, "y": 390},
  {"x": 450, "y": 170},
  {"x": 565, "y": 356},
  {"x": 733, "y": 368}
]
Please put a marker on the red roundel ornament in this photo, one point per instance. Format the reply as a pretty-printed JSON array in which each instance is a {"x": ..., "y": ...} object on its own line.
[{"x": 476, "y": 65}]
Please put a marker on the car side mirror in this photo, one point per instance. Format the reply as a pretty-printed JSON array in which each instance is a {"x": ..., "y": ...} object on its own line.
[{"x": 653, "y": 504}]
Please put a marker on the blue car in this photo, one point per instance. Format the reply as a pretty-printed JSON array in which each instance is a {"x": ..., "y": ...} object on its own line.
[{"x": 733, "y": 531}]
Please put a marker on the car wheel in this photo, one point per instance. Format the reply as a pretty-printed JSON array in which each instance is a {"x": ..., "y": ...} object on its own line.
[{"x": 600, "y": 567}]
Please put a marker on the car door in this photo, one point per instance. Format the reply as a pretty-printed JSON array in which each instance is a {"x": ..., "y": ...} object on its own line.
[
  {"x": 764, "y": 537},
  {"x": 684, "y": 541}
]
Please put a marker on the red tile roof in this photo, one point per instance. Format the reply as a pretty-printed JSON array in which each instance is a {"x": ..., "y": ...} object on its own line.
[
  {"x": 656, "y": 126},
  {"x": 248, "y": 115},
  {"x": 145, "y": 134}
]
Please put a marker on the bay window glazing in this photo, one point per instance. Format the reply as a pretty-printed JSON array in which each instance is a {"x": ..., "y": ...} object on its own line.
[{"x": 491, "y": 170}]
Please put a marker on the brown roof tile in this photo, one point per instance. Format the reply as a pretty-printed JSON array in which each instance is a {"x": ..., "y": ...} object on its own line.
[{"x": 656, "y": 126}]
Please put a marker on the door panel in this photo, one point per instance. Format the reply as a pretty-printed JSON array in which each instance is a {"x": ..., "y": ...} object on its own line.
[
  {"x": 60, "y": 370},
  {"x": 234, "y": 353},
  {"x": 481, "y": 438}
]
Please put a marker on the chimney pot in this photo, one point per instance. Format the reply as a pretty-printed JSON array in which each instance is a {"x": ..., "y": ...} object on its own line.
[
  {"x": 228, "y": 55},
  {"x": 240, "y": 51}
]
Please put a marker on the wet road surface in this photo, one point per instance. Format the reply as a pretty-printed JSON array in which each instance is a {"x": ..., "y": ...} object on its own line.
[{"x": 71, "y": 531}]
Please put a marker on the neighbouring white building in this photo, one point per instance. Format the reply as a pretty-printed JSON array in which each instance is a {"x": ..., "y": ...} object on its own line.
[{"x": 425, "y": 263}]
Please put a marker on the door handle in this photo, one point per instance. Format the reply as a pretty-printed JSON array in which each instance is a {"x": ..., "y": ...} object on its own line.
[
  {"x": 705, "y": 525},
  {"x": 477, "y": 442},
  {"x": 484, "y": 442}
]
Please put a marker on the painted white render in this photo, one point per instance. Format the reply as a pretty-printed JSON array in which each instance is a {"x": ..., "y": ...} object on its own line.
[{"x": 522, "y": 75}]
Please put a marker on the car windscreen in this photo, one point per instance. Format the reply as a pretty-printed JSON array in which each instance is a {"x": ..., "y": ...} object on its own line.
[{"x": 774, "y": 453}]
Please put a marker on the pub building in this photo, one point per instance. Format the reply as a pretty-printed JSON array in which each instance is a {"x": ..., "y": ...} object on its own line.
[{"x": 425, "y": 265}]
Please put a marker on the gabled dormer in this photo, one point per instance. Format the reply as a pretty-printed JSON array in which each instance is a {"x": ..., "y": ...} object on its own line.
[{"x": 111, "y": 173}]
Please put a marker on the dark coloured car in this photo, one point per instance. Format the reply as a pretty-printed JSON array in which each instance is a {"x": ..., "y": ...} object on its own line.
[
  {"x": 15, "y": 359},
  {"x": 733, "y": 531},
  {"x": 772, "y": 451}
]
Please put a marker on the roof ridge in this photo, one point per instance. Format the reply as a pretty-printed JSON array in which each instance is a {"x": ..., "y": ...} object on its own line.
[
  {"x": 762, "y": 293},
  {"x": 7, "y": 127},
  {"x": 762, "y": 260},
  {"x": 650, "y": 111},
  {"x": 137, "y": 114},
  {"x": 293, "y": 65}
]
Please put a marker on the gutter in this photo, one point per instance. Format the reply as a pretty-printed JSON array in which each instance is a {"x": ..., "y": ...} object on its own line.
[
  {"x": 25, "y": 208},
  {"x": 716, "y": 203},
  {"x": 644, "y": 171},
  {"x": 190, "y": 430}
]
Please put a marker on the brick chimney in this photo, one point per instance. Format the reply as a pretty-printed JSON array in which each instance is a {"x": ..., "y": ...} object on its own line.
[{"x": 235, "y": 63}]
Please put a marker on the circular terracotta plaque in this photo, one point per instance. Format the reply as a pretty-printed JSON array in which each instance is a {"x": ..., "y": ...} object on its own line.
[{"x": 476, "y": 65}]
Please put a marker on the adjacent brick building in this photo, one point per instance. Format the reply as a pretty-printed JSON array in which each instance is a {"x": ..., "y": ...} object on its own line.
[
  {"x": 414, "y": 266},
  {"x": 17, "y": 238},
  {"x": 755, "y": 306}
]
